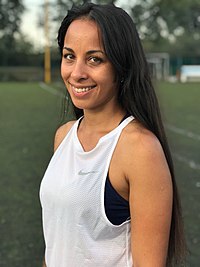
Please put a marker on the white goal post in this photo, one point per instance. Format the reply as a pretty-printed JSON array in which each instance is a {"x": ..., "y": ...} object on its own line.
[{"x": 159, "y": 64}]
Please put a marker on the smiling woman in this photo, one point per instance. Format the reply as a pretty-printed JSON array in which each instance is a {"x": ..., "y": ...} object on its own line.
[
  {"x": 88, "y": 74},
  {"x": 109, "y": 195}
]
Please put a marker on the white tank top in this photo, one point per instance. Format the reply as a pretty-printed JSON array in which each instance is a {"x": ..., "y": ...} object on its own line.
[{"x": 77, "y": 232}]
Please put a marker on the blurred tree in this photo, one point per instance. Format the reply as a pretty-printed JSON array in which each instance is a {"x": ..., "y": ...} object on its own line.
[
  {"x": 175, "y": 24},
  {"x": 10, "y": 16},
  {"x": 10, "y": 19}
]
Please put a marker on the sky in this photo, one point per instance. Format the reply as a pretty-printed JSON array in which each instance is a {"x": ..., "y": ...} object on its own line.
[
  {"x": 30, "y": 19},
  {"x": 29, "y": 22}
]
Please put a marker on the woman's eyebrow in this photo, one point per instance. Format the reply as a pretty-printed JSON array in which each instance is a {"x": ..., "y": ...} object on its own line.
[
  {"x": 94, "y": 51},
  {"x": 68, "y": 49},
  {"x": 87, "y": 53}
]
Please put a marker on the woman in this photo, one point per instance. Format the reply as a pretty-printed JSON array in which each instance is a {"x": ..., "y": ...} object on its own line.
[{"x": 109, "y": 196}]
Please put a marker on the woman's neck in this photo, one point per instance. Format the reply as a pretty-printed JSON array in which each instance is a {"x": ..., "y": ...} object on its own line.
[
  {"x": 95, "y": 125},
  {"x": 102, "y": 120}
]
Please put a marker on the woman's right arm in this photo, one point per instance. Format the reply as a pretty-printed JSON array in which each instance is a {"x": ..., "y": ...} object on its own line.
[{"x": 43, "y": 263}]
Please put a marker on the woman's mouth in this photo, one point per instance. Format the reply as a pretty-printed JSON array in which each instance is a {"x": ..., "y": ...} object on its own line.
[{"x": 82, "y": 89}]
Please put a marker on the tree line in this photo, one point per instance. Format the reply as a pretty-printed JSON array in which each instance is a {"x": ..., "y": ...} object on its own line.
[{"x": 164, "y": 26}]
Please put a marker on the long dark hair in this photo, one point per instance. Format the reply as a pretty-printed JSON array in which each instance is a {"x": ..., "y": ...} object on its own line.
[{"x": 136, "y": 95}]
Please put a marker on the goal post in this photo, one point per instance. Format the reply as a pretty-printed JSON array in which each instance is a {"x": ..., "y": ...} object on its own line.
[{"x": 159, "y": 64}]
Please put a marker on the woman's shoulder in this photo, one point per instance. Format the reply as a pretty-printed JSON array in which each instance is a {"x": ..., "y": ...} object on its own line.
[
  {"x": 140, "y": 145},
  {"x": 136, "y": 134},
  {"x": 142, "y": 156},
  {"x": 61, "y": 132}
]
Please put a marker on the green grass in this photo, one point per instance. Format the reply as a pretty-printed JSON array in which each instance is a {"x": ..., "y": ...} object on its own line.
[
  {"x": 180, "y": 104},
  {"x": 29, "y": 117}
]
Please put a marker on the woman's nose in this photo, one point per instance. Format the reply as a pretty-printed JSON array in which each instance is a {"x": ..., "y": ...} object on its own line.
[{"x": 79, "y": 71}]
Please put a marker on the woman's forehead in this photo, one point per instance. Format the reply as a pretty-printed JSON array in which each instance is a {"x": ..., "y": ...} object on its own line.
[{"x": 83, "y": 31}]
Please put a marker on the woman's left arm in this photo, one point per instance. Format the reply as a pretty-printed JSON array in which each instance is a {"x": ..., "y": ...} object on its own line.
[{"x": 150, "y": 199}]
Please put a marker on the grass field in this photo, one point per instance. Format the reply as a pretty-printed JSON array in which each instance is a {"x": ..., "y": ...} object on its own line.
[{"x": 29, "y": 116}]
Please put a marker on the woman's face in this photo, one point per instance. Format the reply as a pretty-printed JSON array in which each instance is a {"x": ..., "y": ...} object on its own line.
[{"x": 85, "y": 69}]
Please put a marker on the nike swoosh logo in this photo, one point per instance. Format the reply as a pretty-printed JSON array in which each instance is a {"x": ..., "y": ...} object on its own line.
[{"x": 85, "y": 173}]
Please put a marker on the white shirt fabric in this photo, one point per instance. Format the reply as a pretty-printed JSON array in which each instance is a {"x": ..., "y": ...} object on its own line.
[{"x": 77, "y": 232}]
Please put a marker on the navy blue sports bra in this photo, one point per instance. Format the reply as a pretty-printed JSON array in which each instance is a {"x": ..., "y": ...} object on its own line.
[{"x": 116, "y": 207}]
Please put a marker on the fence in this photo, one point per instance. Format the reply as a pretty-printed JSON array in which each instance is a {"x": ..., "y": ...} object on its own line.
[{"x": 29, "y": 74}]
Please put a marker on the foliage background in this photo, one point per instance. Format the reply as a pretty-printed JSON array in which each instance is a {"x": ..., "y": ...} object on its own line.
[{"x": 164, "y": 26}]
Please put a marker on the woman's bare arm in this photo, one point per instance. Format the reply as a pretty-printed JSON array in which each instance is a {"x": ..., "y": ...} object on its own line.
[
  {"x": 150, "y": 200},
  {"x": 43, "y": 263}
]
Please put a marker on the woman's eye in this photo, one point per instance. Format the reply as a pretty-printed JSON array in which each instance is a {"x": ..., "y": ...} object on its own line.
[
  {"x": 68, "y": 56},
  {"x": 95, "y": 60}
]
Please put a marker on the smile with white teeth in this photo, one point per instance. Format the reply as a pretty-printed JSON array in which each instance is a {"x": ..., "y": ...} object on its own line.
[{"x": 81, "y": 90}]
